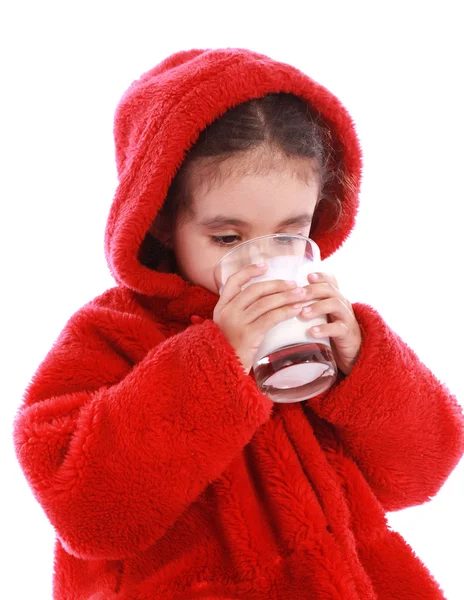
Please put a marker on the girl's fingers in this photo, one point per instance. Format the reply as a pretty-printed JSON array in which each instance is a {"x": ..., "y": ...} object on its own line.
[
  {"x": 234, "y": 283},
  {"x": 323, "y": 278},
  {"x": 331, "y": 306},
  {"x": 323, "y": 290},
  {"x": 337, "y": 329}
]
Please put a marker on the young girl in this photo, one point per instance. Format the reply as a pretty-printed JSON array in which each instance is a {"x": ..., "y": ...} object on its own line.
[{"x": 166, "y": 473}]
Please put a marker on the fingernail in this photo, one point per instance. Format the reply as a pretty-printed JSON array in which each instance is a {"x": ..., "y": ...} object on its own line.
[{"x": 314, "y": 276}]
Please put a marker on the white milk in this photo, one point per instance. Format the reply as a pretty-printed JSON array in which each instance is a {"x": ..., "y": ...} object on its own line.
[
  {"x": 291, "y": 331},
  {"x": 294, "y": 330}
]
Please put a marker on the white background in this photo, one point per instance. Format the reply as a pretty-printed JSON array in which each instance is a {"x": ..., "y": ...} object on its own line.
[{"x": 398, "y": 70}]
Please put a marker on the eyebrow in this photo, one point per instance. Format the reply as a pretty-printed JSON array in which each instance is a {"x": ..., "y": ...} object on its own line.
[{"x": 223, "y": 220}]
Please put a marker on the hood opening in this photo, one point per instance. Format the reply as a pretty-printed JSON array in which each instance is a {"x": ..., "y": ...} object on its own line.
[{"x": 156, "y": 256}]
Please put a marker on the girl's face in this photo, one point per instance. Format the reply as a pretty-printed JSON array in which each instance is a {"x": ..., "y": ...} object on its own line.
[{"x": 281, "y": 201}]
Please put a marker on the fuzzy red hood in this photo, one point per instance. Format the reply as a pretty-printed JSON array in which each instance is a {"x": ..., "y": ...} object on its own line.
[{"x": 158, "y": 120}]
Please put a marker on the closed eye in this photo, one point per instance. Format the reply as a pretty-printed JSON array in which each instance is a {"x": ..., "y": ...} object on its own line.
[{"x": 220, "y": 239}]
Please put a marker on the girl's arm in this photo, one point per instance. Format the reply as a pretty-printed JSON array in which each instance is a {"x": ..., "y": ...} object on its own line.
[
  {"x": 403, "y": 428},
  {"x": 116, "y": 441}
]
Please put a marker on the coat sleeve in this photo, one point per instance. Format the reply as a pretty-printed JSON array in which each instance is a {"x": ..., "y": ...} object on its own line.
[
  {"x": 402, "y": 427},
  {"x": 115, "y": 451}
]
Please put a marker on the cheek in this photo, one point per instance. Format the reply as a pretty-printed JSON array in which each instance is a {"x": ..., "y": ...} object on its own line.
[
  {"x": 306, "y": 231},
  {"x": 197, "y": 256}
]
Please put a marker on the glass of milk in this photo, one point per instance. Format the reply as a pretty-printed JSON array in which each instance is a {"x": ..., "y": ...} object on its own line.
[{"x": 290, "y": 365}]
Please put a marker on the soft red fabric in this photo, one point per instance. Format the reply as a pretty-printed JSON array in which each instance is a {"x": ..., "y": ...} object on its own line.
[{"x": 165, "y": 472}]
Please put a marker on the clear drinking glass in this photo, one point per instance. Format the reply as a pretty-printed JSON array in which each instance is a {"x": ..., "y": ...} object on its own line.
[{"x": 290, "y": 365}]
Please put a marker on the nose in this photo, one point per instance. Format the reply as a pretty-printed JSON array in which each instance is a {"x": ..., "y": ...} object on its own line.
[{"x": 256, "y": 255}]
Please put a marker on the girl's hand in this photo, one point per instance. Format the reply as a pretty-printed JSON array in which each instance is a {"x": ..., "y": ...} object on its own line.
[
  {"x": 245, "y": 315},
  {"x": 342, "y": 325}
]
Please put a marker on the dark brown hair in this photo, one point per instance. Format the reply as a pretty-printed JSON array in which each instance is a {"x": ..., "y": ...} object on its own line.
[{"x": 281, "y": 125}]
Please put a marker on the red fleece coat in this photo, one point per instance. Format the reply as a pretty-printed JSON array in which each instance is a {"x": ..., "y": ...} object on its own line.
[{"x": 164, "y": 470}]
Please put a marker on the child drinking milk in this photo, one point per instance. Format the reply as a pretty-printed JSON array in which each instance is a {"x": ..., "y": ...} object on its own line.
[{"x": 164, "y": 470}]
